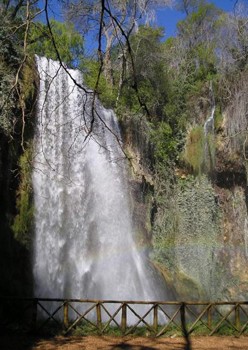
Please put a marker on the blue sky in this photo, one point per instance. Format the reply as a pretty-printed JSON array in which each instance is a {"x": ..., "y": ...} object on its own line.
[{"x": 166, "y": 17}]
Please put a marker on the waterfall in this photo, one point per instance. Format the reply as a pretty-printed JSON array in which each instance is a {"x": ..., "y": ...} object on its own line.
[
  {"x": 209, "y": 153},
  {"x": 84, "y": 236},
  {"x": 209, "y": 123}
]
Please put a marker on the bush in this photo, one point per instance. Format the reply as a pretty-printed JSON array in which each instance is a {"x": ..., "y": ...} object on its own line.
[
  {"x": 165, "y": 143},
  {"x": 194, "y": 153}
]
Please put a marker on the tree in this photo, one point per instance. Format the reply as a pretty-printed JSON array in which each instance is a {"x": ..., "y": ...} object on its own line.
[
  {"x": 233, "y": 39},
  {"x": 150, "y": 74},
  {"x": 69, "y": 43},
  {"x": 113, "y": 22},
  {"x": 198, "y": 36},
  {"x": 187, "y": 6},
  {"x": 12, "y": 7}
]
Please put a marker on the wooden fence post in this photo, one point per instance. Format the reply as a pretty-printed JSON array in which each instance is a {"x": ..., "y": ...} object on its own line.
[
  {"x": 99, "y": 316},
  {"x": 155, "y": 318},
  {"x": 123, "y": 318},
  {"x": 66, "y": 315},
  {"x": 237, "y": 317},
  {"x": 210, "y": 317}
]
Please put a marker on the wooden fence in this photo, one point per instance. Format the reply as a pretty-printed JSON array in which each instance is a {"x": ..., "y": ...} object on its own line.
[{"x": 125, "y": 317}]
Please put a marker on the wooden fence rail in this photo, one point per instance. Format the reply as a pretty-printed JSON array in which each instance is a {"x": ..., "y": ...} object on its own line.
[{"x": 126, "y": 317}]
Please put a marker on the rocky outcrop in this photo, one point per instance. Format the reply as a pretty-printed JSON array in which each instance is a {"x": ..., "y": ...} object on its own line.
[
  {"x": 195, "y": 223},
  {"x": 204, "y": 247}
]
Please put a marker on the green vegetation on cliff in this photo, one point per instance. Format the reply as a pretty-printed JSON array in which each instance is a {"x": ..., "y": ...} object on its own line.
[
  {"x": 17, "y": 104},
  {"x": 23, "y": 221},
  {"x": 69, "y": 43}
]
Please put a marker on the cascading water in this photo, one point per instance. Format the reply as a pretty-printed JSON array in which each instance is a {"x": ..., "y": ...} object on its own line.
[
  {"x": 84, "y": 245},
  {"x": 209, "y": 134},
  {"x": 209, "y": 123}
]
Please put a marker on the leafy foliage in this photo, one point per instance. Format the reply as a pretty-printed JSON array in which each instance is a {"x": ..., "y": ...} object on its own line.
[
  {"x": 68, "y": 42},
  {"x": 194, "y": 153},
  {"x": 23, "y": 222},
  {"x": 165, "y": 144},
  {"x": 10, "y": 57},
  {"x": 150, "y": 74},
  {"x": 106, "y": 93}
]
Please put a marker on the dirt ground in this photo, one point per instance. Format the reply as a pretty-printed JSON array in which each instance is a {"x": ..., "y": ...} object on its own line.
[{"x": 118, "y": 343}]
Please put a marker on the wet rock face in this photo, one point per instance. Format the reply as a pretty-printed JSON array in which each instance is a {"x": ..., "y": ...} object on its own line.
[
  {"x": 208, "y": 252},
  {"x": 191, "y": 259},
  {"x": 203, "y": 253},
  {"x": 135, "y": 133},
  {"x": 198, "y": 232},
  {"x": 233, "y": 252},
  {"x": 140, "y": 213},
  {"x": 204, "y": 221}
]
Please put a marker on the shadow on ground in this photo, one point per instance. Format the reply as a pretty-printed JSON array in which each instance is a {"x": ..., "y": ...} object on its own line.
[{"x": 14, "y": 341}]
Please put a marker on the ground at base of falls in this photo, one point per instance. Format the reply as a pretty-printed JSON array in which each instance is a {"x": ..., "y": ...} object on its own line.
[{"x": 120, "y": 343}]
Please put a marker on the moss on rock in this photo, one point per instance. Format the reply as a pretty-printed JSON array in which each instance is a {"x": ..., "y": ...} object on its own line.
[{"x": 23, "y": 221}]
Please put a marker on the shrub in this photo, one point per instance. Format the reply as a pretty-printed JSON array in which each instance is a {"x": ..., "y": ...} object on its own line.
[{"x": 194, "y": 153}]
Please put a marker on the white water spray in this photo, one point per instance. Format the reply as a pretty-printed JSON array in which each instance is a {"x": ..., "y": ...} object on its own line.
[
  {"x": 209, "y": 134},
  {"x": 209, "y": 123},
  {"x": 84, "y": 244}
]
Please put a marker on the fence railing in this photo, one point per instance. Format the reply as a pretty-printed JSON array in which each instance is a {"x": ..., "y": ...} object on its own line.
[{"x": 125, "y": 317}]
